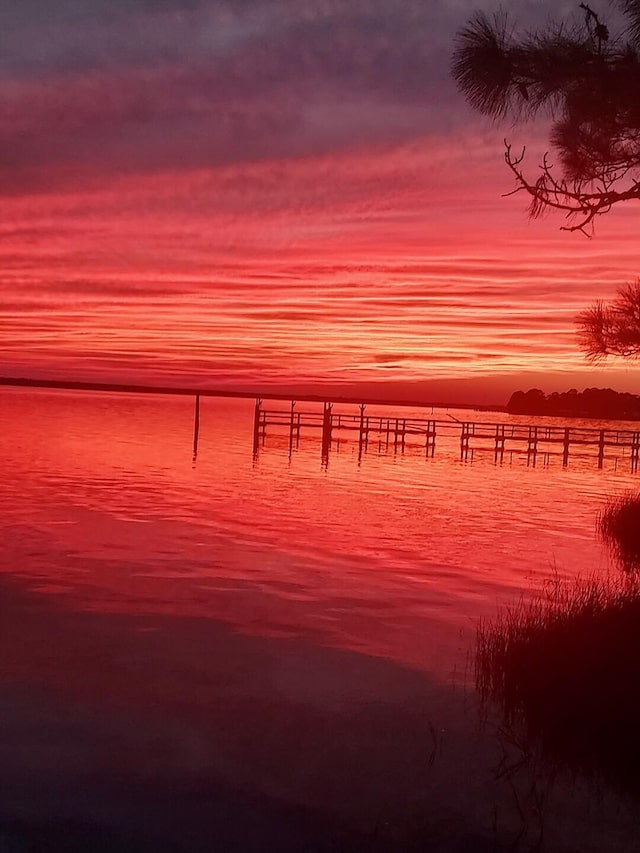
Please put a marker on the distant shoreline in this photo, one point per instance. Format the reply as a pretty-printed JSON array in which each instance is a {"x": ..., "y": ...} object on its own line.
[{"x": 116, "y": 388}]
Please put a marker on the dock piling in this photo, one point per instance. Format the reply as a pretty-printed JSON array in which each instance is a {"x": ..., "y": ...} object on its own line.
[
  {"x": 499, "y": 442},
  {"x": 565, "y": 447},
  {"x": 196, "y": 427},
  {"x": 601, "y": 449},
  {"x": 292, "y": 426},
  {"x": 326, "y": 429},
  {"x": 256, "y": 425},
  {"x": 430, "y": 438},
  {"x": 635, "y": 451},
  {"x": 361, "y": 430},
  {"x": 465, "y": 435}
]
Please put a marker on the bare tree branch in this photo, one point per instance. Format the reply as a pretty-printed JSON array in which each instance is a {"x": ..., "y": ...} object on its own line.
[
  {"x": 587, "y": 81},
  {"x": 579, "y": 205}
]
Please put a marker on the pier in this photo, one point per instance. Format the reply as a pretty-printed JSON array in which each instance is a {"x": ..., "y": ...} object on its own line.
[
  {"x": 392, "y": 431},
  {"x": 397, "y": 432}
]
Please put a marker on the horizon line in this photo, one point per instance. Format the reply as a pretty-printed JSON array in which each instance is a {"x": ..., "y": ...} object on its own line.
[{"x": 169, "y": 390}]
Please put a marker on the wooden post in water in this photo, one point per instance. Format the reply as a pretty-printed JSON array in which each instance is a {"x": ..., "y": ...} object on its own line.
[
  {"x": 256, "y": 425},
  {"x": 464, "y": 441},
  {"x": 601, "y": 449},
  {"x": 291, "y": 426},
  {"x": 196, "y": 427},
  {"x": 565, "y": 446},
  {"x": 361, "y": 439},
  {"x": 430, "y": 438},
  {"x": 635, "y": 450},
  {"x": 326, "y": 430},
  {"x": 499, "y": 442}
]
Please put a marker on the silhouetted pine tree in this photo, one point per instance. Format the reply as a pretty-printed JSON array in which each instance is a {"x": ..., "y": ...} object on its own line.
[{"x": 587, "y": 79}]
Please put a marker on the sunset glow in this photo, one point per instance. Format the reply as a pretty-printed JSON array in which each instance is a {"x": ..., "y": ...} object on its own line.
[
  {"x": 318, "y": 529},
  {"x": 290, "y": 195}
]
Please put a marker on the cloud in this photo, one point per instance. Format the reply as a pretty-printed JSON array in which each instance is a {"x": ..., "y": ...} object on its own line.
[
  {"x": 272, "y": 189},
  {"x": 95, "y": 89},
  {"x": 92, "y": 89}
]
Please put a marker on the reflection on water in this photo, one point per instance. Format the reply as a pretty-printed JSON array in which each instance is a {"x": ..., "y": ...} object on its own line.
[
  {"x": 292, "y": 628},
  {"x": 393, "y": 554}
]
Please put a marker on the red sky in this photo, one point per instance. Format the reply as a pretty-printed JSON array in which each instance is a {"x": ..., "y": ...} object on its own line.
[{"x": 277, "y": 193}]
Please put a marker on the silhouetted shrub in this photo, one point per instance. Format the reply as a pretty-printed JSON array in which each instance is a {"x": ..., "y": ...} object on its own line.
[
  {"x": 600, "y": 403},
  {"x": 619, "y": 527},
  {"x": 565, "y": 671}
]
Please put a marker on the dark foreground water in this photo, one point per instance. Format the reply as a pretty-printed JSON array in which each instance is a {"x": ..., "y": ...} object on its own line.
[{"x": 270, "y": 653}]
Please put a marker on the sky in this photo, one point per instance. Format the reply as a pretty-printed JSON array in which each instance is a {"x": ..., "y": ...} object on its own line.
[{"x": 283, "y": 194}]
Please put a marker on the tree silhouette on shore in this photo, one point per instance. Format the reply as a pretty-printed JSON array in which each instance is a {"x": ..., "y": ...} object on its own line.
[{"x": 590, "y": 403}]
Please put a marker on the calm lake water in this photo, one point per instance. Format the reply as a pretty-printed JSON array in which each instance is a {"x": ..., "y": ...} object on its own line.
[{"x": 278, "y": 647}]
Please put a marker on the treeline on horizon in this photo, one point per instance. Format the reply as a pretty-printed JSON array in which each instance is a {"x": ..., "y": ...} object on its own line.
[{"x": 591, "y": 403}]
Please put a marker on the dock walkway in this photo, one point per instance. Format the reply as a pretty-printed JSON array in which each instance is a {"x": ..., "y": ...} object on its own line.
[{"x": 397, "y": 432}]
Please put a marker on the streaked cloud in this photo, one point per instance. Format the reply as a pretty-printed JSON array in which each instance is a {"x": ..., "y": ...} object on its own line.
[{"x": 270, "y": 191}]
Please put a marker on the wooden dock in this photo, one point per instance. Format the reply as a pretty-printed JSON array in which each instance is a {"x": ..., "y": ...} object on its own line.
[
  {"x": 397, "y": 432},
  {"x": 391, "y": 431}
]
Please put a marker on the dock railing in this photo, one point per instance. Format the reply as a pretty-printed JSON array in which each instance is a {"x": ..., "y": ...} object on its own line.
[{"x": 396, "y": 431}]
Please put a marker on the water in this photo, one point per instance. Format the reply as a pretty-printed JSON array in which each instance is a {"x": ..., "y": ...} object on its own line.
[{"x": 270, "y": 626}]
